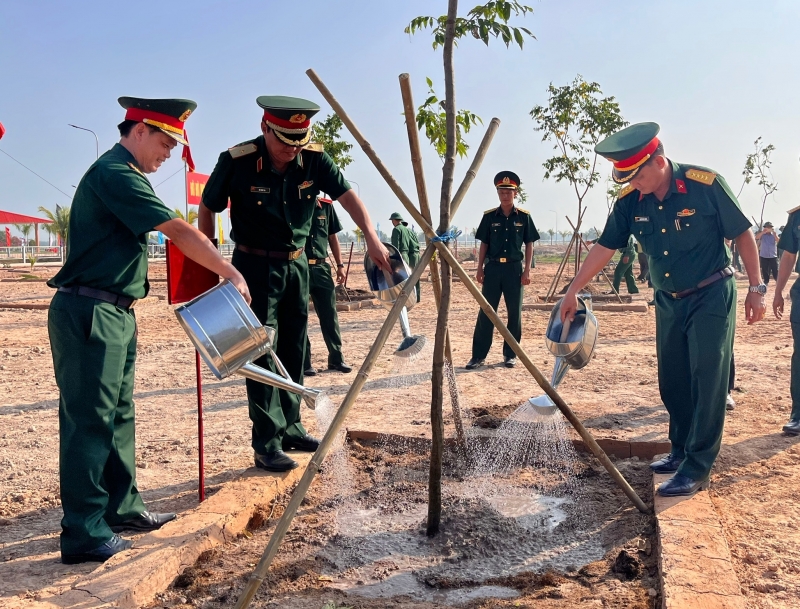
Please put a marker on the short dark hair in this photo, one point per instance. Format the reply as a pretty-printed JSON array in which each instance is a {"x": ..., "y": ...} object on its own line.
[{"x": 126, "y": 126}]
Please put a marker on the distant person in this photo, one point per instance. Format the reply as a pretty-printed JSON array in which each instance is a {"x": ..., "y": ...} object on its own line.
[
  {"x": 768, "y": 252},
  {"x": 324, "y": 227},
  {"x": 93, "y": 329},
  {"x": 790, "y": 244},
  {"x": 625, "y": 268},
  {"x": 502, "y": 232},
  {"x": 406, "y": 242},
  {"x": 681, "y": 214},
  {"x": 644, "y": 266}
]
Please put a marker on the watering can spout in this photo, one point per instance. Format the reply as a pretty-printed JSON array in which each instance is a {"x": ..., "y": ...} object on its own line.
[{"x": 256, "y": 373}]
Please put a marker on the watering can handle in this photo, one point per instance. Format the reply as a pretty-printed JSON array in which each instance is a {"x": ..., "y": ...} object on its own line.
[{"x": 565, "y": 330}]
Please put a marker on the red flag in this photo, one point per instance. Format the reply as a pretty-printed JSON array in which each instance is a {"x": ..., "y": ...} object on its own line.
[
  {"x": 186, "y": 155},
  {"x": 8, "y": 235},
  {"x": 195, "y": 183},
  {"x": 2, "y": 131}
]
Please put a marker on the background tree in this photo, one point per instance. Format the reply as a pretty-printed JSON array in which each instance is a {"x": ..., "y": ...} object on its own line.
[
  {"x": 757, "y": 167},
  {"x": 522, "y": 195},
  {"x": 326, "y": 132},
  {"x": 25, "y": 230},
  {"x": 359, "y": 236},
  {"x": 482, "y": 22},
  {"x": 612, "y": 194},
  {"x": 59, "y": 222},
  {"x": 551, "y": 232},
  {"x": 192, "y": 215}
]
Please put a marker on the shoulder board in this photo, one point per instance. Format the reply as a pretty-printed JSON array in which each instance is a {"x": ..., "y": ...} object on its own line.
[
  {"x": 242, "y": 150},
  {"x": 315, "y": 147},
  {"x": 704, "y": 177},
  {"x": 791, "y": 211},
  {"x": 488, "y": 211},
  {"x": 524, "y": 211},
  {"x": 136, "y": 169},
  {"x": 625, "y": 191}
]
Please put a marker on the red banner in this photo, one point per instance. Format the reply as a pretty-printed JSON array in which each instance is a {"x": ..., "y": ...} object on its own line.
[
  {"x": 8, "y": 238},
  {"x": 195, "y": 183}
]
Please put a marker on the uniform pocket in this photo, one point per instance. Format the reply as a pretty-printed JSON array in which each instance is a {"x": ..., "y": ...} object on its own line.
[
  {"x": 643, "y": 231},
  {"x": 695, "y": 228}
]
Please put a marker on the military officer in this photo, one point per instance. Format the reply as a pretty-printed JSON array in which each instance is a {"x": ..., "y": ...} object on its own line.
[
  {"x": 92, "y": 327},
  {"x": 406, "y": 242},
  {"x": 790, "y": 244},
  {"x": 502, "y": 232},
  {"x": 625, "y": 267},
  {"x": 681, "y": 214},
  {"x": 324, "y": 227},
  {"x": 273, "y": 182}
]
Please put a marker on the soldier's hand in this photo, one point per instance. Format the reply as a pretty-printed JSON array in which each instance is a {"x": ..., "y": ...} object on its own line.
[
  {"x": 241, "y": 286},
  {"x": 479, "y": 276},
  {"x": 379, "y": 255},
  {"x": 755, "y": 306},
  {"x": 777, "y": 305},
  {"x": 340, "y": 275},
  {"x": 569, "y": 306},
  {"x": 526, "y": 277}
]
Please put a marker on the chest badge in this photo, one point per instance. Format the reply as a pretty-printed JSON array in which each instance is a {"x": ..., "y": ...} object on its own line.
[
  {"x": 641, "y": 218},
  {"x": 306, "y": 184},
  {"x": 685, "y": 213},
  {"x": 518, "y": 224},
  {"x": 259, "y": 189}
]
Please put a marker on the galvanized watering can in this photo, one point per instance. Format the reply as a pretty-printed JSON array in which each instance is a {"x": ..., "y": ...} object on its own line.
[
  {"x": 228, "y": 336},
  {"x": 571, "y": 342},
  {"x": 387, "y": 285}
]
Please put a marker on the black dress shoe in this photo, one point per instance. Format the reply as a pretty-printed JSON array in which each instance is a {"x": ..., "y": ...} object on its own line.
[
  {"x": 667, "y": 465},
  {"x": 475, "y": 362},
  {"x": 510, "y": 362},
  {"x": 342, "y": 367},
  {"x": 682, "y": 486},
  {"x": 277, "y": 461},
  {"x": 792, "y": 427},
  {"x": 146, "y": 521},
  {"x": 100, "y": 553},
  {"x": 307, "y": 443},
  {"x": 310, "y": 372}
]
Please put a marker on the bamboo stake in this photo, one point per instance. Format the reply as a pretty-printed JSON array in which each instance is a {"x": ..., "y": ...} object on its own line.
[
  {"x": 610, "y": 283},
  {"x": 498, "y": 323},
  {"x": 554, "y": 284},
  {"x": 260, "y": 572}
]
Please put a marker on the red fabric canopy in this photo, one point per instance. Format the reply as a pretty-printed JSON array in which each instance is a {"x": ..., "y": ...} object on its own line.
[{"x": 7, "y": 217}]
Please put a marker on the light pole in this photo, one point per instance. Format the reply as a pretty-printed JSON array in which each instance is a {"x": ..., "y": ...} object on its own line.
[
  {"x": 96, "y": 141},
  {"x": 358, "y": 187},
  {"x": 556, "y": 213}
]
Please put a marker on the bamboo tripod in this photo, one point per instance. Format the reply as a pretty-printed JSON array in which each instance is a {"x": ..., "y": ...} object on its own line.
[{"x": 260, "y": 572}]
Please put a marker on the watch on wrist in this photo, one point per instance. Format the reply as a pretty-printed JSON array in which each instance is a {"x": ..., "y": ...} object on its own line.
[
  {"x": 758, "y": 289},
  {"x": 339, "y": 265}
]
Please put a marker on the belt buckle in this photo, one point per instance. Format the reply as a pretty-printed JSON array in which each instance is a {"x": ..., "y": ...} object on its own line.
[
  {"x": 295, "y": 254},
  {"x": 675, "y": 295},
  {"x": 503, "y": 259}
]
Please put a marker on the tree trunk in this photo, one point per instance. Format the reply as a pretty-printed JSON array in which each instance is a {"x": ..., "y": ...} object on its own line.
[{"x": 437, "y": 373}]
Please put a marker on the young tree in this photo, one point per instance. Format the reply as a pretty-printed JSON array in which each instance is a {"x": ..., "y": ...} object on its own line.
[
  {"x": 25, "y": 229},
  {"x": 757, "y": 167},
  {"x": 59, "y": 221},
  {"x": 482, "y": 22},
  {"x": 612, "y": 194},
  {"x": 432, "y": 116},
  {"x": 326, "y": 132}
]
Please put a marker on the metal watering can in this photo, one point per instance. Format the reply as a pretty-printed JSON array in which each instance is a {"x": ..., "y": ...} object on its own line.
[
  {"x": 228, "y": 336},
  {"x": 387, "y": 285},
  {"x": 572, "y": 343}
]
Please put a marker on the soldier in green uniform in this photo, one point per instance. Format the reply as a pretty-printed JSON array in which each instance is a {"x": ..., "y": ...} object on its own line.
[
  {"x": 92, "y": 327},
  {"x": 625, "y": 267},
  {"x": 324, "y": 227},
  {"x": 273, "y": 182},
  {"x": 681, "y": 214},
  {"x": 406, "y": 242},
  {"x": 790, "y": 244},
  {"x": 502, "y": 232}
]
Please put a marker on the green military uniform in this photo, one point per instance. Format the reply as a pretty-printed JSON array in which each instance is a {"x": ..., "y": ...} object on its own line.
[
  {"x": 683, "y": 236},
  {"x": 92, "y": 330},
  {"x": 321, "y": 287},
  {"x": 790, "y": 242},
  {"x": 406, "y": 242},
  {"x": 504, "y": 236},
  {"x": 625, "y": 269},
  {"x": 271, "y": 218}
]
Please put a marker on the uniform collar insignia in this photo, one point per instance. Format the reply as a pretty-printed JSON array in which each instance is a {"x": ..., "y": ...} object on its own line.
[
  {"x": 641, "y": 196},
  {"x": 680, "y": 186},
  {"x": 135, "y": 168},
  {"x": 685, "y": 213},
  {"x": 259, "y": 164}
]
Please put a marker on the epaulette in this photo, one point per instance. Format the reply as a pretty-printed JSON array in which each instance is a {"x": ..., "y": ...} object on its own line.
[
  {"x": 243, "y": 150},
  {"x": 136, "y": 169},
  {"x": 704, "y": 177},
  {"x": 524, "y": 211},
  {"x": 625, "y": 191},
  {"x": 791, "y": 211},
  {"x": 488, "y": 211},
  {"x": 315, "y": 147}
]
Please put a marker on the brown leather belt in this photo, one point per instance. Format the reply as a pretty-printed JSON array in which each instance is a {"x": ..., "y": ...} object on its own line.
[
  {"x": 293, "y": 255},
  {"x": 125, "y": 302},
  {"x": 721, "y": 274}
]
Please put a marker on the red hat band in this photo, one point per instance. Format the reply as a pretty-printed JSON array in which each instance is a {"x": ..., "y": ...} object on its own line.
[
  {"x": 156, "y": 119},
  {"x": 638, "y": 159},
  {"x": 297, "y": 123}
]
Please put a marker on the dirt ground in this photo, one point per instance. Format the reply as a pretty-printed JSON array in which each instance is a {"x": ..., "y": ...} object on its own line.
[{"x": 754, "y": 483}]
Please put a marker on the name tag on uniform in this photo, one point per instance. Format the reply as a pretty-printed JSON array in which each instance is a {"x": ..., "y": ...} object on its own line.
[
  {"x": 322, "y": 218},
  {"x": 641, "y": 218},
  {"x": 518, "y": 224},
  {"x": 259, "y": 189}
]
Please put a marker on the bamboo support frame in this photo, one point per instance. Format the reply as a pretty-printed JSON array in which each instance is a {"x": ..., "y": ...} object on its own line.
[
  {"x": 586, "y": 245},
  {"x": 467, "y": 281},
  {"x": 260, "y": 572}
]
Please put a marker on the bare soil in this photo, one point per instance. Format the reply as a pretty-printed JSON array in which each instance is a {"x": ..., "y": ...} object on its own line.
[{"x": 754, "y": 483}]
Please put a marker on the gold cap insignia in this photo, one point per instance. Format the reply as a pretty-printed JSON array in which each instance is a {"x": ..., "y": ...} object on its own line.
[
  {"x": 182, "y": 118},
  {"x": 506, "y": 180},
  {"x": 297, "y": 118}
]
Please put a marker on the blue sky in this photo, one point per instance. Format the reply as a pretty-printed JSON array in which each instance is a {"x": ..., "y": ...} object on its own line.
[{"x": 714, "y": 74}]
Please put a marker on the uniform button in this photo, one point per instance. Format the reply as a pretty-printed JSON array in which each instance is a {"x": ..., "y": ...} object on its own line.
[
  {"x": 666, "y": 274},
  {"x": 660, "y": 207},
  {"x": 666, "y": 253},
  {"x": 663, "y": 230},
  {"x": 259, "y": 202}
]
